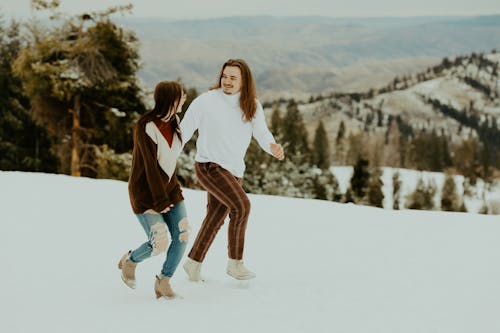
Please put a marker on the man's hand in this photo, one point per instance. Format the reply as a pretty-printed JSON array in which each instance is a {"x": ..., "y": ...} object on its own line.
[{"x": 277, "y": 151}]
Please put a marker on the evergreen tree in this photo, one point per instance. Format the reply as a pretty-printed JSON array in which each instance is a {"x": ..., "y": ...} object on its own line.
[
  {"x": 319, "y": 189},
  {"x": 340, "y": 145},
  {"x": 295, "y": 133},
  {"x": 465, "y": 159},
  {"x": 356, "y": 146},
  {"x": 321, "y": 149},
  {"x": 24, "y": 146},
  {"x": 257, "y": 162},
  {"x": 423, "y": 196},
  {"x": 80, "y": 78},
  {"x": 326, "y": 186},
  {"x": 375, "y": 194},
  {"x": 392, "y": 152},
  {"x": 396, "y": 190},
  {"x": 359, "y": 181},
  {"x": 341, "y": 132},
  {"x": 276, "y": 122},
  {"x": 449, "y": 197}
]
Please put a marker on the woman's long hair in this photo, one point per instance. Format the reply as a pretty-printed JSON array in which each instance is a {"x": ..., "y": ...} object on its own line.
[
  {"x": 167, "y": 96},
  {"x": 248, "y": 103}
]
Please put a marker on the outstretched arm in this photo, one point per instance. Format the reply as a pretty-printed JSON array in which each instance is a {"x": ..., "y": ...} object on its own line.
[{"x": 191, "y": 121}]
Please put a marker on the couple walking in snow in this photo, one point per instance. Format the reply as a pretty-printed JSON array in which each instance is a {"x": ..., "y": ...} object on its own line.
[{"x": 226, "y": 117}]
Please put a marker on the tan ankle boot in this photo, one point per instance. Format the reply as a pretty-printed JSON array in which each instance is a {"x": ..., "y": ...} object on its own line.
[
  {"x": 163, "y": 288},
  {"x": 237, "y": 270},
  {"x": 127, "y": 267},
  {"x": 193, "y": 270}
]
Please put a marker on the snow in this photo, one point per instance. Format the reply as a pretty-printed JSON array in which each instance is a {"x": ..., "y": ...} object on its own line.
[{"x": 321, "y": 266}]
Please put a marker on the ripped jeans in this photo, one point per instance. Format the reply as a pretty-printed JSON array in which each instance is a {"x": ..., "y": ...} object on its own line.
[{"x": 155, "y": 227}]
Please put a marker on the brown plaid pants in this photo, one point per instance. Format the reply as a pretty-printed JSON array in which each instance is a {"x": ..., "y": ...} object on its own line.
[{"x": 225, "y": 196}]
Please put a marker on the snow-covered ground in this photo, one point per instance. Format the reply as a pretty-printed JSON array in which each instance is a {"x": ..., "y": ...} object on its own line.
[{"x": 321, "y": 266}]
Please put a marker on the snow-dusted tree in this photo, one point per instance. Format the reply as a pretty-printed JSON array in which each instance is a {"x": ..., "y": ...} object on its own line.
[
  {"x": 326, "y": 186},
  {"x": 111, "y": 165},
  {"x": 449, "y": 197},
  {"x": 82, "y": 71},
  {"x": 396, "y": 190},
  {"x": 422, "y": 197},
  {"x": 375, "y": 196},
  {"x": 185, "y": 170}
]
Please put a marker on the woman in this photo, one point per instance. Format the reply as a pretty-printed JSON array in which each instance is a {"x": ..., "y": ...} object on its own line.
[
  {"x": 226, "y": 118},
  {"x": 154, "y": 190}
]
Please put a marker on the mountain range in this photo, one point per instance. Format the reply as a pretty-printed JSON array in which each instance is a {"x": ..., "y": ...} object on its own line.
[{"x": 300, "y": 56}]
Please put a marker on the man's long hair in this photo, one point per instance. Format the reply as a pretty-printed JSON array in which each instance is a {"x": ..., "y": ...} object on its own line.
[
  {"x": 167, "y": 96},
  {"x": 248, "y": 103}
]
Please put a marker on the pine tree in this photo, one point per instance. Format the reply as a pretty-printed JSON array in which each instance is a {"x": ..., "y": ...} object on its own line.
[
  {"x": 24, "y": 145},
  {"x": 396, "y": 190},
  {"x": 276, "y": 122},
  {"x": 422, "y": 197},
  {"x": 449, "y": 197},
  {"x": 359, "y": 181},
  {"x": 295, "y": 133},
  {"x": 319, "y": 189},
  {"x": 80, "y": 78},
  {"x": 321, "y": 148},
  {"x": 392, "y": 152},
  {"x": 340, "y": 145},
  {"x": 375, "y": 194},
  {"x": 357, "y": 148},
  {"x": 465, "y": 159},
  {"x": 341, "y": 132},
  {"x": 257, "y": 165},
  {"x": 326, "y": 185}
]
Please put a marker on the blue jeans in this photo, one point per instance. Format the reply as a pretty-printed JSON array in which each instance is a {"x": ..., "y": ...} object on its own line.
[{"x": 176, "y": 221}]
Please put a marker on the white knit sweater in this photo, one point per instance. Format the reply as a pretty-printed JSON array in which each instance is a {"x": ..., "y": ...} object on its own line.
[{"x": 223, "y": 135}]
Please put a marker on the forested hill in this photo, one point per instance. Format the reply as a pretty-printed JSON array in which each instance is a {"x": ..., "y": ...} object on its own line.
[{"x": 447, "y": 116}]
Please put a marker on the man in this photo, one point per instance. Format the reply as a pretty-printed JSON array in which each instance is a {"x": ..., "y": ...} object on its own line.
[{"x": 226, "y": 117}]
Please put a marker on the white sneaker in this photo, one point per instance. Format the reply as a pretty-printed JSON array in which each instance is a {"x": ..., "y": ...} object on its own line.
[
  {"x": 193, "y": 269},
  {"x": 237, "y": 270}
]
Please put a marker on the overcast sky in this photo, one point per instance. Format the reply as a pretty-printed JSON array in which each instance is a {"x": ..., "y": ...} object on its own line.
[{"x": 182, "y": 9}]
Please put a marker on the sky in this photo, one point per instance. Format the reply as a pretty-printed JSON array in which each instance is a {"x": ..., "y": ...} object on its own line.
[
  {"x": 321, "y": 266},
  {"x": 195, "y": 9}
]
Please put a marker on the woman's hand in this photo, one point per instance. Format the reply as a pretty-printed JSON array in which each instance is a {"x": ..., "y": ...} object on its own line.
[
  {"x": 167, "y": 209},
  {"x": 152, "y": 211},
  {"x": 277, "y": 151}
]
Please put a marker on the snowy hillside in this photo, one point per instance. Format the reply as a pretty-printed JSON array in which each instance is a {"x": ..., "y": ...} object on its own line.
[
  {"x": 321, "y": 266},
  {"x": 432, "y": 99},
  {"x": 480, "y": 194}
]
